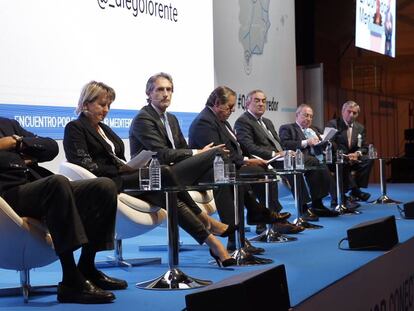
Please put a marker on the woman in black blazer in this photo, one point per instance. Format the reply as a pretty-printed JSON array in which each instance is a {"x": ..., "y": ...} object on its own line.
[{"x": 90, "y": 143}]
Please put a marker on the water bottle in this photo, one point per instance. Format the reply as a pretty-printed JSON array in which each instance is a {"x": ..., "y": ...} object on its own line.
[
  {"x": 300, "y": 164},
  {"x": 372, "y": 153},
  {"x": 155, "y": 173},
  {"x": 287, "y": 160},
  {"x": 340, "y": 156},
  {"x": 328, "y": 154},
  {"x": 218, "y": 167}
]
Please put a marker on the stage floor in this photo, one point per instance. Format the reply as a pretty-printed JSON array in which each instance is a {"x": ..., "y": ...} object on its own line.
[{"x": 313, "y": 263}]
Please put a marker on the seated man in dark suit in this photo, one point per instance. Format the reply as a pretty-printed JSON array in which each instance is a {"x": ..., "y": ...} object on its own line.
[
  {"x": 211, "y": 126},
  {"x": 302, "y": 135},
  {"x": 157, "y": 130},
  {"x": 77, "y": 214},
  {"x": 350, "y": 138},
  {"x": 257, "y": 136}
]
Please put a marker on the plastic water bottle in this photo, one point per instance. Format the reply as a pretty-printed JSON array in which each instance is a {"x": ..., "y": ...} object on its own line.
[
  {"x": 328, "y": 154},
  {"x": 218, "y": 167},
  {"x": 287, "y": 161},
  {"x": 299, "y": 162},
  {"x": 340, "y": 156},
  {"x": 372, "y": 153},
  {"x": 155, "y": 173}
]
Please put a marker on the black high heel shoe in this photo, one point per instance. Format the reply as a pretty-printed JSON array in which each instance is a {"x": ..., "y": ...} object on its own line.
[
  {"x": 229, "y": 231},
  {"x": 225, "y": 263}
]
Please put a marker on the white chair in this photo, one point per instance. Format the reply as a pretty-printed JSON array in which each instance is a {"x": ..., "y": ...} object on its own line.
[
  {"x": 25, "y": 244},
  {"x": 205, "y": 200},
  {"x": 134, "y": 217}
]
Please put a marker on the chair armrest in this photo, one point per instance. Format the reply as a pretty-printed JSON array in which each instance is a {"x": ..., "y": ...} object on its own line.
[
  {"x": 74, "y": 172},
  {"x": 137, "y": 204}
]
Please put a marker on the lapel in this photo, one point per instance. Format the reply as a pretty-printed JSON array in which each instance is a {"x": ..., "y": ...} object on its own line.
[
  {"x": 87, "y": 125},
  {"x": 224, "y": 126},
  {"x": 154, "y": 114},
  {"x": 255, "y": 123},
  {"x": 299, "y": 132}
]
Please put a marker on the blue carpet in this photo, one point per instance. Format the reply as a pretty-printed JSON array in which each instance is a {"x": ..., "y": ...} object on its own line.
[{"x": 312, "y": 263}]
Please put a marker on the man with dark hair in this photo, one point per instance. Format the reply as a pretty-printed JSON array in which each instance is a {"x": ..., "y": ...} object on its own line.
[
  {"x": 153, "y": 128},
  {"x": 77, "y": 214},
  {"x": 351, "y": 139},
  {"x": 211, "y": 125}
]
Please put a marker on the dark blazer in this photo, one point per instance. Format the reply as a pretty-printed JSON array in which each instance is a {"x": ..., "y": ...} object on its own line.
[
  {"x": 340, "y": 140},
  {"x": 207, "y": 128},
  {"x": 147, "y": 132},
  {"x": 84, "y": 146},
  {"x": 13, "y": 170},
  {"x": 292, "y": 135},
  {"x": 253, "y": 138}
]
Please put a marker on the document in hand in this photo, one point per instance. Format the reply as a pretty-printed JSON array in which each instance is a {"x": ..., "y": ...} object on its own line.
[
  {"x": 276, "y": 158},
  {"x": 141, "y": 159},
  {"x": 328, "y": 133}
]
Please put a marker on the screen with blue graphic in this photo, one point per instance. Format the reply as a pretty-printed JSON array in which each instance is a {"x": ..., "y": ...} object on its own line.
[{"x": 51, "y": 48}]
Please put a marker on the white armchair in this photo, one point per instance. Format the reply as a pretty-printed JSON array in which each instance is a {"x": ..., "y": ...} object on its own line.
[
  {"x": 25, "y": 244},
  {"x": 134, "y": 217},
  {"x": 205, "y": 200}
]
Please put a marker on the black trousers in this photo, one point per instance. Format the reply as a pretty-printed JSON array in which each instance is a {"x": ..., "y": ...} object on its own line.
[
  {"x": 362, "y": 170},
  {"x": 187, "y": 209},
  {"x": 253, "y": 197},
  {"x": 76, "y": 213}
]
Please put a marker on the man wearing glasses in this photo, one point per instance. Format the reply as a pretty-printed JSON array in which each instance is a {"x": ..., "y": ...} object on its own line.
[
  {"x": 302, "y": 135},
  {"x": 211, "y": 125}
]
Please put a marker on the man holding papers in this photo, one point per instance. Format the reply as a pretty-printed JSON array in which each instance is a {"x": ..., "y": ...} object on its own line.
[
  {"x": 350, "y": 138},
  {"x": 302, "y": 135}
]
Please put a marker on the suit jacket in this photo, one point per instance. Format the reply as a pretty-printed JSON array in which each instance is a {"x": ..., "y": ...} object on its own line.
[
  {"x": 292, "y": 135},
  {"x": 340, "y": 140},
  {"x": 253, "y": 138},
  {"x": 147, "y": 132},
  {"x": 207, "y": 128},
  {"x": 13, "y": 170},
  {"x": 84, "y": 146}
]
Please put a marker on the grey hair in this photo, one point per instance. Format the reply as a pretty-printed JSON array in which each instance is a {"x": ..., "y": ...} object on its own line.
[
  {"x": 301, "y": 107},
  {"x": 151, "y": 81},
  {"x": 350, "y": 103},
  {"x": 251, "y": 93}
]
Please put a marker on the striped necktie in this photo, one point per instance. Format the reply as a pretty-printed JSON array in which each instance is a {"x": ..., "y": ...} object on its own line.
[
  {"x": 269, "y": 134},
  {"x": 164, "y": 119}
]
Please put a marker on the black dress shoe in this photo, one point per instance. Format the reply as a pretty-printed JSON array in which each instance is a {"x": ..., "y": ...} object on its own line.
[
  {"x": 266, "y": 217},
  {"x": 308, "y": 215},
  {"x": 287, "y": 228},
  {"x": 360, "y": 195},
  {"x": 87, "y": 292},
  {"x": 248, "y": 248},
  {"x": 260, "y": 228},
  {"x": 106, "y": 282},
  {"x": 324, "y": 212}
]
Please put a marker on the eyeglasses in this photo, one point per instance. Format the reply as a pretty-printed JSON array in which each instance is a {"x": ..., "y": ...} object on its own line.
[
  {"x": 307, "y": 115},
  {"x": 226, "y": 108}
]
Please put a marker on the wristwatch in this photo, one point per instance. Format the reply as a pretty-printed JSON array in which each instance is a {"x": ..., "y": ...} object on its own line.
[{"x": 18, "y": 140}]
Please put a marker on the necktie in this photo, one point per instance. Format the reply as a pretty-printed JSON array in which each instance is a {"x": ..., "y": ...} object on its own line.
[
  {"x": 164, "y": 120},
  {"x": 270, "y": 136},
  {"x": 349, "y": 135}
]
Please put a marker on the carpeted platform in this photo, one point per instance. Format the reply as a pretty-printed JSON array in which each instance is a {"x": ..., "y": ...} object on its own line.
[{"x": 312, "y": 263}]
